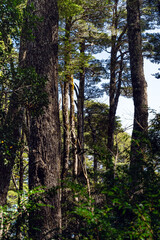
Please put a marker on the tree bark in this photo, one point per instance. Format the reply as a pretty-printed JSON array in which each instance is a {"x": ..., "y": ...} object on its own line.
[
  {"x": 65, "y": 100},
  {"x": 44, "y": 145},
  {"x": 73, "y": 130},
  {"x": 112, "y": 107},
  {"x": 66, "y": 135},
  {"x": 114, "y": 91},
  {"x": 80, "y": 115},
  {"x": 20, "y": 189},
  {"x": 139, "y": 85}
]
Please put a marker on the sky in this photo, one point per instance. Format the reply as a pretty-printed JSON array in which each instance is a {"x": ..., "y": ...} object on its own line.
[{"x": 125, "y": 106}]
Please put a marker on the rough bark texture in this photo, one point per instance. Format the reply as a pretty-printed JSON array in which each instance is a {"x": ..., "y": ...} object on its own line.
[
  {"x": 44, "y": 146},
  {"x": 139, "y": 91}
]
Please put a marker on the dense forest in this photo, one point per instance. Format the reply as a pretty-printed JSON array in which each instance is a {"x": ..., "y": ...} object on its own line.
[{"x": 68, "y": 169}]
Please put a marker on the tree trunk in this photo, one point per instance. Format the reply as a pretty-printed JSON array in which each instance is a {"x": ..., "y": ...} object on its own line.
[
  {"x": 80, "y": 115},
  {"x": 116, "y": 70},
  {"x": 10, "y": 132},
  {"x": 65, "y": 101},
  {"x": 10, "y": 135},
  {"x": 66, "y": 135},
  {"x": 112, "y": 94},
  {"x": 73, "y": 130},
  {"x": 139, "y": 85},
  {"x": 44, "y": 145},
  {"x": 20, "y": 189}
]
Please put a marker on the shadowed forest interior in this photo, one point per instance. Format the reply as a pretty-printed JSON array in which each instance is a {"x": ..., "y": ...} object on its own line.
[{"x": 68, "y": 168}]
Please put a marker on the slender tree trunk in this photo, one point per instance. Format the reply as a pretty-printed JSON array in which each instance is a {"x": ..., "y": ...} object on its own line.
[
  {"x": 80, "y": 115},
  {"x": 66, "y": 135},
  {"x": 65, "y": 101},
  {"x": 10, "y": 132},
  {"x": 112, "y": 94},
  {"x": 73, "y": 130},
  {"x": 5, "y": 177},
  {"x": 95, "y": 167},
  {"x": 116, "y": 69},
  {"x": 139, "y": 85},
  {"x": 1, "y": 223},
  {"x": 95, "y": 163},
  {"x": 10, "y": 135},
  {"x": 44, "y": 145},
  {"x": 21, "y": 172}
]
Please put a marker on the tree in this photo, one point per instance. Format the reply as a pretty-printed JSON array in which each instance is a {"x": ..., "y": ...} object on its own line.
[
  {"x": 96, "y": 119},
  {"x": 116, "y": 77},
  {"x": 154, "y": 137},
  {"x": 68, "y": 18},
  {"x": 38, "y": 58},
  {"x": 138, "y": 146},
  {"x": 94, "y": 145},
  {"x": 10, "y": 110},
  {"x": 95, "y": 135},
  {"x": 78, "y": 33}
]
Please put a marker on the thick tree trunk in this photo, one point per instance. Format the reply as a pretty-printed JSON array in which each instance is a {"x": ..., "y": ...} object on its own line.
[
  {"x": 44, "y": 145},
  {"x": 139, "y": 92}
]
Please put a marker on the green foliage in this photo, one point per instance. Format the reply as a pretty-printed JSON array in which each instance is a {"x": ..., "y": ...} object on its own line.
[
  {"x": 18, "y": 215},
  {"x": 11, "y": 19},
  {"x": 95, "y": 127},
  {"x": 14, "y": 193},
  {"x": 94, "y": 73},
  {"x": 154, "y": 137},
  {"x": 8, "y": 145},
  {"x": 119, "y": 217},
  {"x": 11, "y": 216},
  {"x": 31, "y": 90},
  {"x": 11, "y": 15},
  {"x": 70, "y": 8},
  {"x": 150, "y": 13},
  {"x": 107, "y": 214},
  {"x": 76, "y": 26},
  {"x": 152, "y": 47}
]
